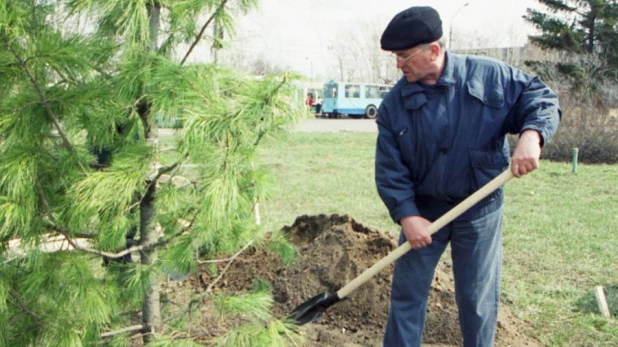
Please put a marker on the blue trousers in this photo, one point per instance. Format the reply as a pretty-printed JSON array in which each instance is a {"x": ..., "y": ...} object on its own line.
[{"x": 476, "y": 247}]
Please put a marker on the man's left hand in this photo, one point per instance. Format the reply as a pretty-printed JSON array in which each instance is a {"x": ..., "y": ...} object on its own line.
[{"x": 527, "y": 153}]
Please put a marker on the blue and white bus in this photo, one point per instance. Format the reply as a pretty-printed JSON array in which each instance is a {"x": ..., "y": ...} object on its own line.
[{"x": 357, "y": 100}]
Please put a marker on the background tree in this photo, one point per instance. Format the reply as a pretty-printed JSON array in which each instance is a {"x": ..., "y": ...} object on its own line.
[
  {"x": 587, "y": 31},
  {"x": 581, "y": 63},
  {"x": 81, "y": 168},
  {"x": 360, "y": 58}
]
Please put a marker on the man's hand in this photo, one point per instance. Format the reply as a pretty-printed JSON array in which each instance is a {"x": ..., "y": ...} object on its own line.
[
  {"x": 415, "y": 228},
  {"x": 527, "y": 153}
]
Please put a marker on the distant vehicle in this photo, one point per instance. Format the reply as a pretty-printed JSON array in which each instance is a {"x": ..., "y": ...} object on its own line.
[
  {"x": 304, "y": 89},
  {"x": 357, "y": 100}
]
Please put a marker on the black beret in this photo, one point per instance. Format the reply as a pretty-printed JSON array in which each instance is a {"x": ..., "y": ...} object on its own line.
[{"x": 412, "y": 27}]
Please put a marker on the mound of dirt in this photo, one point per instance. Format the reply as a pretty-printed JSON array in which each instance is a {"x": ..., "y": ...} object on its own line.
[{"x": 335, "y": 249}]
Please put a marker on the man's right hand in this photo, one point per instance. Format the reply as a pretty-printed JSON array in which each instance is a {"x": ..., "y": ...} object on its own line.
[{"x": 416, "y": 230}]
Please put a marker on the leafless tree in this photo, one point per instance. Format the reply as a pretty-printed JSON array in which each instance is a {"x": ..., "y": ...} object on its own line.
[{"x": 359, "y": 56}]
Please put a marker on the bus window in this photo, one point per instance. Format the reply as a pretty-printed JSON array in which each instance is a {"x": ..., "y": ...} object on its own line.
[
  {"x": 352, "y": 91},
  {"x": 384, "y": 91},
  {"x": 330, "y": 91},
  {"x": 372, "y": 92}
]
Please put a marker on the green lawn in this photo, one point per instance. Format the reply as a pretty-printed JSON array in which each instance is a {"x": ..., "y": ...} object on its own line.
[{"x": 560, "y": 232}]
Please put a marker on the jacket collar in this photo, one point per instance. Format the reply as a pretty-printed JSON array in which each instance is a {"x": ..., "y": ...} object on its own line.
[
  {"x": 413, "y": 93},
  {"x": 448, "y": 74}
]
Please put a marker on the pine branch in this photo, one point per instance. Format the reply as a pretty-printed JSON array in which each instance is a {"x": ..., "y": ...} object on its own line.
[
  {"x": 84, "y": 236},
  {"x": 199, "y": 36},
  {"x": 162, "y": 171},
  {"x": 23, "y": 306},
  {"x": 51, "y": 217},
  {"x": 173, "y": 178},
  {"x": 276, "y": 90},
  {"x": 121, "y": 253},
  {"x": 267, "y": 102},
  {"x": 64, "y": 77},
  {"x": 199, "y": 92},
  {"x": 9, "y": 260},
  {"x": 186, "y": 228},
  {"x": 208, "y": 290},
  {"x": 165, "y": 169},
  {"x": 44, "y": 100},
  {"x": 103, "y": 73},
  {"x": 133, "y": 328},
  {"x": 218, "y": 260}
]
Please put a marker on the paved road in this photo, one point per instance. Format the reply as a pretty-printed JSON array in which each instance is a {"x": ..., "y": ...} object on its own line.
[{"x": 325, "y": 125}]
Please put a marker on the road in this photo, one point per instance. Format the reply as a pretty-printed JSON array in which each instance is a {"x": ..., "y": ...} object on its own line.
[{"x": 323, "y": 125}]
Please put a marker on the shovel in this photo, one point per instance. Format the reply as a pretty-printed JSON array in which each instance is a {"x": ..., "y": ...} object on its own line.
[{"x": 312, "y": 309}]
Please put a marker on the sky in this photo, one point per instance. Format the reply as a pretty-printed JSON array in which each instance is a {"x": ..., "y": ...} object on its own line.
[{"x": 300, "y": 34}]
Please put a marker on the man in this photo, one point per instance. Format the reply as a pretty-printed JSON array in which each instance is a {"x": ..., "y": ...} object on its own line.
[{"x": 441, "y": 136}]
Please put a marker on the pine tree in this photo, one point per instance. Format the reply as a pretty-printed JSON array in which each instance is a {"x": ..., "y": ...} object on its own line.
[
  {"x": 82, "y": 167},
  {"x": 584, "y": 29}
]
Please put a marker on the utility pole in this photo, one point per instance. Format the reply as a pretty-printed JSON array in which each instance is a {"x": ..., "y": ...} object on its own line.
[
  {"x": 450, "y": 34},
  {"x": 311, "y": 66}
]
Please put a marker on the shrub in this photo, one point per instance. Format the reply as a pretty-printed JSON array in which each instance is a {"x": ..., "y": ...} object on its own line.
[{"x": 591, "y": 129}]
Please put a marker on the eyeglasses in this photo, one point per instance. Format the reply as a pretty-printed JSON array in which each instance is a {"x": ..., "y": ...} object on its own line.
[{"x": 401, "y": 59}]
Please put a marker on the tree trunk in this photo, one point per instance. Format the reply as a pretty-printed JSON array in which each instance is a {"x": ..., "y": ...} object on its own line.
[
  {"x": 592, "y": 16},
  {"x": 151, "y": 310}
]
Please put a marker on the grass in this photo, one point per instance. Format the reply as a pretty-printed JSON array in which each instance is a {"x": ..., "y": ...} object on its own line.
[
  {"x": 560, "y": 228},
  {"x": 324, "y": 173}
]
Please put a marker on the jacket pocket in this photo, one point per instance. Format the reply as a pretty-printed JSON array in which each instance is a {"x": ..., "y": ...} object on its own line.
[
  {"x": 486, "y": 165},
  {"x": 489, "y": 96}
]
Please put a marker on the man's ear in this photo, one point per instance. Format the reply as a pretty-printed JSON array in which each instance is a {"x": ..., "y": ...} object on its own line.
[{"x": 435, "y": 50}]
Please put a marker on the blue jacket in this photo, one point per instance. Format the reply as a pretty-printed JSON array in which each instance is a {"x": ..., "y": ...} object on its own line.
[{"x": 438, "y": 144}]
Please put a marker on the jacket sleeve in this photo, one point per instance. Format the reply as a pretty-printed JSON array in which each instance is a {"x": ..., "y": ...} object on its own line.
[
  {"x": 536, "y": 107},
  {"x": 393, "y": 179}
]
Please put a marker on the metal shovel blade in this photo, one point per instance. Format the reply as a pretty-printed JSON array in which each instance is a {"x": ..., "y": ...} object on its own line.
[{"x": 312, "y": 309}]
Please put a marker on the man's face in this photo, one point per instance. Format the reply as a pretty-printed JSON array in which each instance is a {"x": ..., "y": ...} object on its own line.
[{"x": 414, "y": 62}]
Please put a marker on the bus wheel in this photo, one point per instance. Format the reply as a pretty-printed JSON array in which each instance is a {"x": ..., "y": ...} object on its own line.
[{"x": 371, "y": 112}]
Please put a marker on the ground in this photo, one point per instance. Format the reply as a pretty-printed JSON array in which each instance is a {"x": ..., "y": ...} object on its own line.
[{"x": 333, "y": 250}]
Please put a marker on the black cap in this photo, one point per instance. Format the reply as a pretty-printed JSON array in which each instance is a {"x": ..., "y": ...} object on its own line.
[{"x": 412, "y": 27}]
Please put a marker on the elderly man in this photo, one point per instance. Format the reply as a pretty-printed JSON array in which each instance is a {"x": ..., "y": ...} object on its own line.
[{"x": 441, "y": 136}]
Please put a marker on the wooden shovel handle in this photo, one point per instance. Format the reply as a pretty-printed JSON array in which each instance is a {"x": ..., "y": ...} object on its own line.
[{"x": 448, "y": 217}]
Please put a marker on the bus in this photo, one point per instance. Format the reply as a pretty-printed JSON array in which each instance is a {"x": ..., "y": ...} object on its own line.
[
  {"x": 306, "y": 88},
  {"x": 357, "y": 100}
]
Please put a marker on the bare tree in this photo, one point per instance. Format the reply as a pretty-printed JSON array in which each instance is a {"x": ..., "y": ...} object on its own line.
[
  {"x": 261, "y": 66},
  {"x": 359, "y": 56}
]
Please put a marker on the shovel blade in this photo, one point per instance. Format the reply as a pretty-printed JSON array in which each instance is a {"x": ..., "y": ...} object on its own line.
[{"x": 312, "y": 309}]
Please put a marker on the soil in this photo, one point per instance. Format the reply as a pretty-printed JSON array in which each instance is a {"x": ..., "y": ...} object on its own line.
[{"x": 333, "y": 250}]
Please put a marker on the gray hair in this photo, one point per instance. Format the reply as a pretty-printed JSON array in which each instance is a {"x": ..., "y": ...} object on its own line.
[{"x": 441, "y": 43}]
